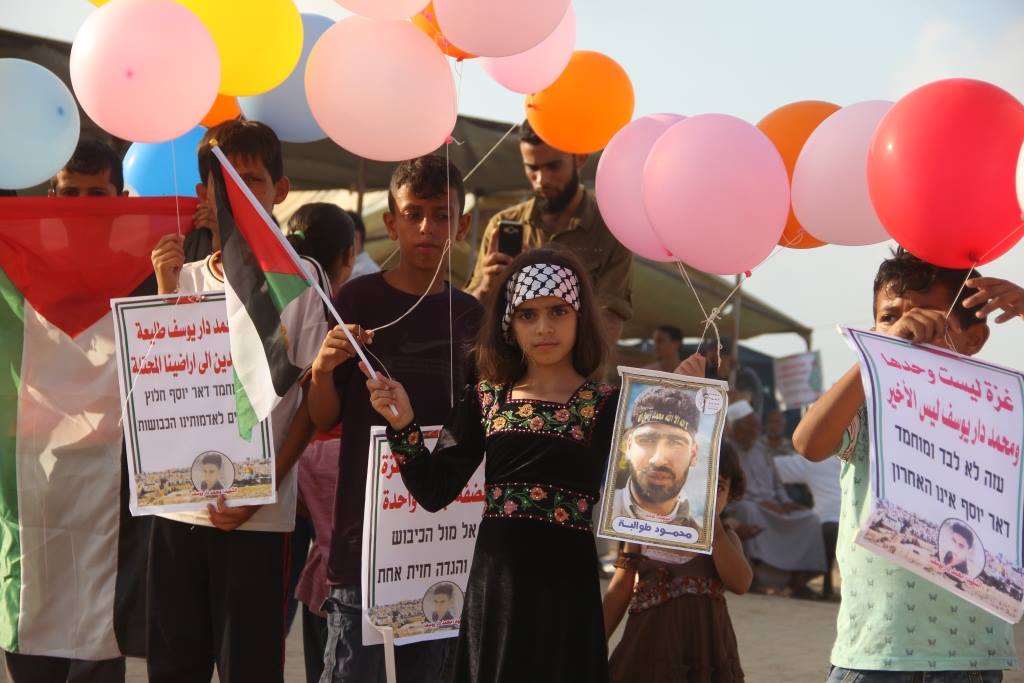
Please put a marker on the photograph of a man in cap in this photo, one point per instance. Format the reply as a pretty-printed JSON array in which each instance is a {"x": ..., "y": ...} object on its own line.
[{"x": 660, "y": 448}]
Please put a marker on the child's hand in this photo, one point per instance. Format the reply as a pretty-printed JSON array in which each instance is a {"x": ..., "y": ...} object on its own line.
[
  {"x": 386, "y": 394},
  {"x": 692, "y": 366},
  {"x": 336, "y": 349},
  {"x": 922, "y": 326},
  {"x": 168, "y": 257},
  {"x": 996, "y": 294},
  {"x": 206, "y": 217},
  {"x": 229, "y": 519}
]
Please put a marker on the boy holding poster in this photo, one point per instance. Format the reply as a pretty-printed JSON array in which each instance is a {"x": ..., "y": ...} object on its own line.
[
  {"x": 217, "y": 578},
  {"x": 421, "y": 330},
  {"x": 892, "y": 620}
]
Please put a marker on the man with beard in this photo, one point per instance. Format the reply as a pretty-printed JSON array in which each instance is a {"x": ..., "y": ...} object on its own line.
[
  {"x": 957, "y": 548},
  {"x": 661, "y": 449},
  {"x": 562, "y": 214}
]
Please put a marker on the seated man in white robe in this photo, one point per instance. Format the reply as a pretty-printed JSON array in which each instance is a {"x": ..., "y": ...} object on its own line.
[{"x": 789, "y": 547}]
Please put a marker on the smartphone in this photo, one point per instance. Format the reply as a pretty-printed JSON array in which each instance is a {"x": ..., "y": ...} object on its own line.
[{"x": 510, "y": 237}]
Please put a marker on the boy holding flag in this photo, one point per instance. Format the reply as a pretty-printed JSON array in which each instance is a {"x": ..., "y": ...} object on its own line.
[{"x": 217, "y": 579}]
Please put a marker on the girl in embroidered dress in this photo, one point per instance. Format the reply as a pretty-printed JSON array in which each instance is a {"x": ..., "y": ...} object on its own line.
[
  {"x": 679, "y": 628},
  {"x": 533, "y": 603}
]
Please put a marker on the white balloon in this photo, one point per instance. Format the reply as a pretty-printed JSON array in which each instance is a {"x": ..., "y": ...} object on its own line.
[
  {"x": 1020, "y": 181},
  {"x": 830, "y": 180}
]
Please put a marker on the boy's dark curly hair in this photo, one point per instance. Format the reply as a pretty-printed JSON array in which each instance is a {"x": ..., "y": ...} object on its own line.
[{"x": 904, "y": 271}]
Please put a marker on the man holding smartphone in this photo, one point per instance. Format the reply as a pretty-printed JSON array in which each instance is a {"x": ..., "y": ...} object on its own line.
[{"x": 561, "y": 214}]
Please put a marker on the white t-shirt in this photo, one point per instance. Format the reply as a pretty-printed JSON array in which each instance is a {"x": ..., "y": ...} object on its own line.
[
  {"x": 364, "y": 265},
  {"x": 822, "y": 478},
  {"x": 306, "y": 322}
]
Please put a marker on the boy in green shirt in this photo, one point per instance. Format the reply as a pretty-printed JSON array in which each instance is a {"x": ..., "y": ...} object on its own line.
[{"x": 893, "y": 625}]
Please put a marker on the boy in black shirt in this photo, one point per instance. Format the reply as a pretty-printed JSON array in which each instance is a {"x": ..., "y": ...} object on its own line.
[{"x": 427, "y": 350}]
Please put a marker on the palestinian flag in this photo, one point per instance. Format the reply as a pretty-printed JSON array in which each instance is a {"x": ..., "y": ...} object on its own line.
[
  {"x": 61, "y": 261},
  {"x": 262, "y": 276}
]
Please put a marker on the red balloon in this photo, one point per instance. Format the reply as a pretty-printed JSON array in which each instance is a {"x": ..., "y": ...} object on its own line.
[{"x": 941, "y": 172}]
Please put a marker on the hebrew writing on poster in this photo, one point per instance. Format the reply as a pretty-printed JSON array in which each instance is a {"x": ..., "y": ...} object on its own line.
[
  {"x": 946, "y": 433},
  {"x": 178, "y": 408},
  {"x": 415, "y": 563}
]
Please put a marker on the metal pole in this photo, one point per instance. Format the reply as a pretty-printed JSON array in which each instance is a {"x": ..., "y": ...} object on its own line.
[{"x": 360, "y": 185}]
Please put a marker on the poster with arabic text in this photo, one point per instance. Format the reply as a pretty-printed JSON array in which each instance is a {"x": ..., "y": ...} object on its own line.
[
  {"x": 415, "y": 562},
  {"x": 178, "y": 405},
  {"x": 946, "y": 433}
]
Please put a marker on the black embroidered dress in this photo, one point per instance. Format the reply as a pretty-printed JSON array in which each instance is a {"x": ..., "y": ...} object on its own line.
[{"x": 533, "y": 604}]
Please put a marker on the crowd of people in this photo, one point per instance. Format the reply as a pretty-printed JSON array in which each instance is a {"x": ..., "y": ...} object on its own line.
[{"x": 518, "y": 353}]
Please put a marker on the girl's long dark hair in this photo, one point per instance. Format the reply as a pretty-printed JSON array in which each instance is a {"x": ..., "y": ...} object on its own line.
[{"x": 500, "y": 362}]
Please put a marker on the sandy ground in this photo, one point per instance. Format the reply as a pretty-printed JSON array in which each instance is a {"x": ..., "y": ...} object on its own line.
[{"x": 780, "y": 640}]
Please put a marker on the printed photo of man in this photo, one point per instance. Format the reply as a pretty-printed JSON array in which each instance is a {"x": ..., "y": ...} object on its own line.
[
  {"x": 660, "y": 449},
  {"x": 956, "y": 548},
  {"x": 442, "y": 603},
  {"x": 210, "y": 476}
]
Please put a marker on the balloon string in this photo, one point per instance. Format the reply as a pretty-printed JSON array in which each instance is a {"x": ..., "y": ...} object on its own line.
[
  {"x": 174, "y": 177},
  {"x": 956, "y": 299},
  {"x": 423, "y": 296},
  {"x": 710, "y": 319},
  {"x": 135, "y": 379},
  {"x": 388, "y": 259},
  {"x": 996, "y": 245},
  {"x": 451, "y": 325},
  {"x": 491, "y": 150}
]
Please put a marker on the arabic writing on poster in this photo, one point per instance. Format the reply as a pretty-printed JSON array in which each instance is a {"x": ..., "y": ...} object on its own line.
[
  {"x": 631, "y": 525},
  {"x": 174, "y": 363},
  {"x": 181, "y": 364},
  {"x": 946, "y": 471},
  {"x": 969, "y": 429},
  {"x": 189, "y": 330},
  {"x": 415, "y": 563}
]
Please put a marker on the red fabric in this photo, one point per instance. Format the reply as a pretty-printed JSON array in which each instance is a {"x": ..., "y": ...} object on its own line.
[
  {"x": 328, "y": 436},
  {"x": 270, "y": 252},
  {"x": 70, "y": 256}
]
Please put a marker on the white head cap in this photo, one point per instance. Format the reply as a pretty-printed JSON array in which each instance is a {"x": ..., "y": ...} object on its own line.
[{"x": 738, "y": 411}]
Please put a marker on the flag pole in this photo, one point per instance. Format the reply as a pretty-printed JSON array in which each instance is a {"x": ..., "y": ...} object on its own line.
[{"x": 296, "y": 259}]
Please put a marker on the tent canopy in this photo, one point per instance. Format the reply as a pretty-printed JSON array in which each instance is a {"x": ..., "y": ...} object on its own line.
[
  {"x": 660, "y": 296},
  {"x": 317, "y": 171}
]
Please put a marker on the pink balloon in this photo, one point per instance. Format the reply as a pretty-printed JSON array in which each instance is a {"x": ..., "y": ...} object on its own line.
[
  {"x": 384, "y": 9},
  {"x": 540, "y": 66},
  {"x": 619, "y": 187},
  {"x": 830, "y": 179},
  {"x": 717, "y": 193},
  {"x": 498, "y": 28},
  {"x": 145, "y": 70},
  {"x": 381, "y": 89}
]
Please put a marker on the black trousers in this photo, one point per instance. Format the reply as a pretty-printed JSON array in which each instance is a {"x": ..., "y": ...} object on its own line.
[
  {"x": 39, "y": 669},
  {"x": 314, "y": 642},
  {"x": 215, "y": 598}
]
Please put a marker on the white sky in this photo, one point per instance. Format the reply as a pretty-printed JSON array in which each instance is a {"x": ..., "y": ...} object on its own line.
[{"x": 747, "y": 57}]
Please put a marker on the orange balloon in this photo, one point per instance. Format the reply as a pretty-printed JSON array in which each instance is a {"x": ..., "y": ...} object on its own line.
[
  {"x": 585, "y": 107},
  {"x": 426, "y": 21},
  {"x": 789, "y": 127},
  {"x": 224, "y": 108}
]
